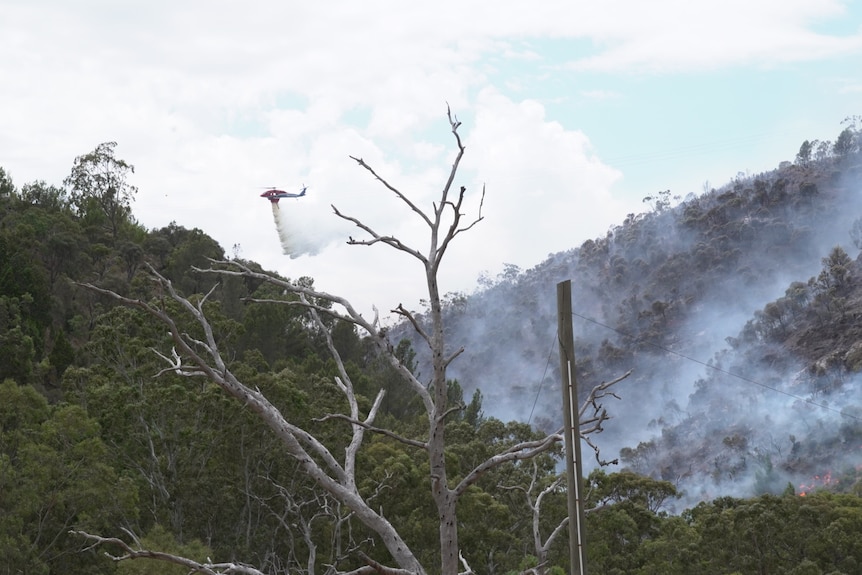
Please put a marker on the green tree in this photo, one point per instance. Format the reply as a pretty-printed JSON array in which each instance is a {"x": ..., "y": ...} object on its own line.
[
  {"x": 22, "y": 276},
  {"x": 846, "y": 143},
  {"x": 7, "y": 188},
  {"x": 770, "y": 534},
  {"x": 45, "y": 196},
  {"x": 833, "y": 282},
  {"x": 671, "y": 551},
  {"x": 62, "y": 354},
  {"x": 55, "y": 476},
  {"x": 191, "y": 248},
  {"x": 624, "y": 515},
  {"x": 62, "y": 247},
  {"x": 279, "y": 332},
  {"x": 803, "y": 157},
  {"x": 17, "y": 348},
  {"x": 100, "y": 190}
]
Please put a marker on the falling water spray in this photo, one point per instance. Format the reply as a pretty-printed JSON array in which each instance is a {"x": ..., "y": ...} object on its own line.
[{"x": 288, "y": 246}]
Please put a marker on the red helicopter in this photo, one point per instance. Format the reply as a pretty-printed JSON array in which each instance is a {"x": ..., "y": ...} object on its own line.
[{"x": 273, "y": 195}]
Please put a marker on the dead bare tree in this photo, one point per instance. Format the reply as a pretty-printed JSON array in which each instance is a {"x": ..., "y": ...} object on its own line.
[
  {"x": 534, "y": 503},
  {"x": 202, "y": 357}
]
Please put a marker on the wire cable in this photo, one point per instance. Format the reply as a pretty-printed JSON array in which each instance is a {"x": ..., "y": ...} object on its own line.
[{"x": 542, "y": 382}]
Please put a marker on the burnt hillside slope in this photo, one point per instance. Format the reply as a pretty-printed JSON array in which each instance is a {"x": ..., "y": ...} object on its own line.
[{"x": 682, "y": 294}]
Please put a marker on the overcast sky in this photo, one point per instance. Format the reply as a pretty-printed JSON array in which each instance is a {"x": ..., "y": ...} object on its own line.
[{"x": 572, "y": 113}]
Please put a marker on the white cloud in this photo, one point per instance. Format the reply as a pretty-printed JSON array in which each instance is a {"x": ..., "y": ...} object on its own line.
[
  {"x": 546, "y": 188},
  {"x": 675, "y": 36},
  {"x": 601, "y": 94},
  {"x": 210, "y": 101}
]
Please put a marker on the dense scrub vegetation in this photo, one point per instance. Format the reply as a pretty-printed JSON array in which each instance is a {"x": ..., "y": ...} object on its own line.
[{"x": 96, "y": 434}]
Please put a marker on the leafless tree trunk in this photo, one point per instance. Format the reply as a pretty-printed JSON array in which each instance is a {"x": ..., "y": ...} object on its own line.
[
  {"x": 534, "y": 503},
  {"x": 202, "y": 358}
]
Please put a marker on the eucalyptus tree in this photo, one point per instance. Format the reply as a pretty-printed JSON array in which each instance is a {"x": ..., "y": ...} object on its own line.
[
  {"x": 332, "y": 463},
  {"x": 55, "y": 473},
  {"x": 7, "y": 188},
  {"x": 100, "y": 190}
]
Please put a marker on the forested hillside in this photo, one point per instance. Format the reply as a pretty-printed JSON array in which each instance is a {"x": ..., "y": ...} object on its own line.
[
  {"x": 738, "y": 310},
  {"x": 101, "y": 432}
]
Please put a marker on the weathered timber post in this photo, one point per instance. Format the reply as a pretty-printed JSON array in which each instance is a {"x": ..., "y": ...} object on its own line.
[{"x": 571, "y": 433}]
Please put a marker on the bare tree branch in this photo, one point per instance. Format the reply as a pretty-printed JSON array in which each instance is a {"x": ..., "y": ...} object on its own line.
[
  {"x": 235, "y": 268},
  {"x": 302, "y": 445},
  {"x": 209, "y": 568},
  {"x": 467, "y": 569},
  {"x": 412, "y": 319},
  {"x": 378, "y": 335},
  {"x": 600, "y": 391},
  {"x": 529, "y": 449},
  {"x": 221, "y": 375},
  {"x": 379, "y": 430},
  {"x": 394, "y": 190},
  {"x": 520, "y": 451},
  {"x": 454, "y": 355},
  {"x": 454, "y": 230},
  {"x": 535, "y": 506},
  {"x": 377, "y": 567},
  {"x": 454, "y": 125},
  {"x": 377, "y": 238}
]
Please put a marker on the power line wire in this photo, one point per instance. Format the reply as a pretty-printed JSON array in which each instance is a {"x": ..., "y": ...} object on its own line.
[{"x": 542, "y": 382}]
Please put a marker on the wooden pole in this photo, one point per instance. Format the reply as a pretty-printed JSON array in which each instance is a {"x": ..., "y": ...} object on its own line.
[{"x": 571, "y": 433}]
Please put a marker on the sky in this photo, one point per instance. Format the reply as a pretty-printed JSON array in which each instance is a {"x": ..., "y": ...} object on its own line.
[{"x": 571, "y": 113}]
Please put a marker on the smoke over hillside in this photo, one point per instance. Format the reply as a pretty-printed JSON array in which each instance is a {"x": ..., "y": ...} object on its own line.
[{"x": 686, "y": 297}]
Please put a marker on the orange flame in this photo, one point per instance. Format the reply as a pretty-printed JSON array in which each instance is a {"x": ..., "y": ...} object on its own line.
[{"x": 819, "y": 481}]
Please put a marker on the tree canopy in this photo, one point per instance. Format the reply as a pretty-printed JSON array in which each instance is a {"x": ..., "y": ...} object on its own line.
[{"x": 113, "y": 426}]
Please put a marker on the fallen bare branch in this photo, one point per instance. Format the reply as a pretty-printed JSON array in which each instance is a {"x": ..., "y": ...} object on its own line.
[{"x": 209, "y": 568}]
